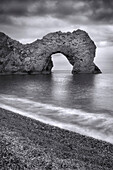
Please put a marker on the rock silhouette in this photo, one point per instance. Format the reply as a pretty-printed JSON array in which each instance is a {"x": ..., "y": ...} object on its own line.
[{"x": 34, "y": 58}]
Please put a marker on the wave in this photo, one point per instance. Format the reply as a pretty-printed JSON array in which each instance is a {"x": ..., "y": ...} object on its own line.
[{"x": 99, "y": 126}]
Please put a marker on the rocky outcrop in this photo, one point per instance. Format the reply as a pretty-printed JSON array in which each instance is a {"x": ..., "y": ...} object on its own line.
[{"x": 33, "y": 58}]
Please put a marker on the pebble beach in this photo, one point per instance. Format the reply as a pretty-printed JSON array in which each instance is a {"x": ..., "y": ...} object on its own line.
[{"x": 27, "y": 144}]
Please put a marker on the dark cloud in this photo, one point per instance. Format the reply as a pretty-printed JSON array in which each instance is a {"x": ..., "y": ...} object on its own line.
[
  {"x": 94, "y": 10},
  {"x": 102, "y": 11},
  {"x": 25, "y": 19},
  {"x": 14, "y": 8},
  {"x": 5, "y": 20}
]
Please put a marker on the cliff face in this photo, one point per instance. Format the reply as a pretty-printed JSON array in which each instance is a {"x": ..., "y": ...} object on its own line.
[{"x": 32, "y": 58}]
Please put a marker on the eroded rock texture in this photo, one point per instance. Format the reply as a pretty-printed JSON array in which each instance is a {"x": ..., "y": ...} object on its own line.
[{"x": 32, "y": 58}]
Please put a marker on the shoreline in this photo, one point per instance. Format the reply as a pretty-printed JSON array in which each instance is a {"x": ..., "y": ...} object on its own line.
[
  {"x": 28, "y": 144},
  {"x": 83, "y": 131}
]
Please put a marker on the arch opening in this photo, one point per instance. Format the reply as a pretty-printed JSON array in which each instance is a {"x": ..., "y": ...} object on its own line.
[{"x": 60, "y": 62}]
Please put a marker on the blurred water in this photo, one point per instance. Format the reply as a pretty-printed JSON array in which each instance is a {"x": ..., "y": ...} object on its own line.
[{"x": 81, "y": 103}]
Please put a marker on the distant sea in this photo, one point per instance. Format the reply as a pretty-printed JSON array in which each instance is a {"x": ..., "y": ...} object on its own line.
[{"x": 80, "y": 103}]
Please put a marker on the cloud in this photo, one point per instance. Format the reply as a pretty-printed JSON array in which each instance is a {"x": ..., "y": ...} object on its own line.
[
  {"x": 76, "y": 10},
  {"x": 27, "y": 20},
  {"x": 101, "y": 34},
  {"x": 29, "y": 29},
  {"x": 102, "y": 11}
]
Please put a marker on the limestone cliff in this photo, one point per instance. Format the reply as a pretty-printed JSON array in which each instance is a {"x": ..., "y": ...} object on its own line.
[{"x": 33, "y": 58}]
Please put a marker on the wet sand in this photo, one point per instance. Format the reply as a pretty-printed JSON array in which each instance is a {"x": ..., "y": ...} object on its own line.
[{"x": 27, "y": 144}]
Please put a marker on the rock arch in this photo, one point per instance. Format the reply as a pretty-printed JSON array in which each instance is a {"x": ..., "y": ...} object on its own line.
[{"x": 32, "y": 58}]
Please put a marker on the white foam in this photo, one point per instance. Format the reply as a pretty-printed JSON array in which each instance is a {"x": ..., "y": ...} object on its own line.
[{"x": 39, "y": 111}]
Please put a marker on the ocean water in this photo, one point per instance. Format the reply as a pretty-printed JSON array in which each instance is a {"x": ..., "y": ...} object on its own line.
[{"x": 80, "y": 103}]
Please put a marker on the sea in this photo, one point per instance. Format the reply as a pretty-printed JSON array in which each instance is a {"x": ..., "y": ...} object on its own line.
[{"x": 82, "y": 103}]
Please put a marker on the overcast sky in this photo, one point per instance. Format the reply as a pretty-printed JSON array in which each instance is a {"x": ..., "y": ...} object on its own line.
[{"x": 27, "y": 20}]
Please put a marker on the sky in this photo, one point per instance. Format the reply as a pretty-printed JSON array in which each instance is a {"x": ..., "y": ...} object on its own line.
[{"x": 27, "y": 20}]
